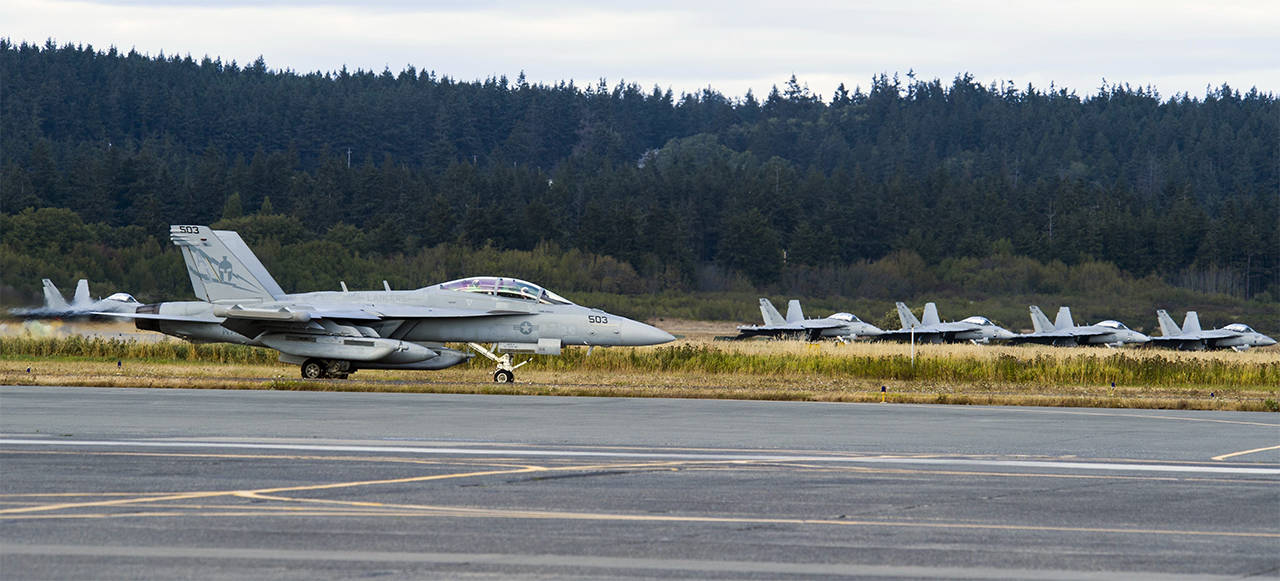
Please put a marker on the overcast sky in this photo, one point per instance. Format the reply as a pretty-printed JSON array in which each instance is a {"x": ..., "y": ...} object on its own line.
[{"x": 1174, "y": 45}]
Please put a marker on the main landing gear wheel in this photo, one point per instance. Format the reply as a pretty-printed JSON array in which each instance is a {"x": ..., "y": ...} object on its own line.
[
  {"x": 503, "y": 376},
  {"x": 314, "y": 369}
]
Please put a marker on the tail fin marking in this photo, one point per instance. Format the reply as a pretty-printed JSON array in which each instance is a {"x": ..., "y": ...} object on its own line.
[{"x": 221, "y": 266}]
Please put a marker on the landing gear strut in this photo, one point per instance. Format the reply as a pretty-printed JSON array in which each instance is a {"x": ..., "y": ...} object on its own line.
[{"x": 506, "y": 372}]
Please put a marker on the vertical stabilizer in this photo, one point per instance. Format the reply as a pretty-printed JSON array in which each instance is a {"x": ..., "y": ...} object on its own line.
[
  {"x": 909, "y": 320},
  {"x": 771, "y": 315},
  {"x": 1063, "y": 320},
  {"x": 794, "y": 313},
  {"x": 221, "y": 266},
  {"x": 930, "y": 315},
  {"x": 1191, "y": 324},
  {"x": 53, "y": 297},
  {"x": 1168, "y": 328},
  {"x": 1039, "y": 321},
  {"x": 82, "y": 298}
]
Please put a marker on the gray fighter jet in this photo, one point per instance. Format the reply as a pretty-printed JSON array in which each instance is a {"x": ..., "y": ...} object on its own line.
[
  {"x": 1063, "y": 332},
  {"x": 333, "y": 333},
  {"x": 933, "y": 330},
  {"x": 81, "y": 305},
  {"x": 840, "y": 326},
  {"x": 1190, "y": 337}
]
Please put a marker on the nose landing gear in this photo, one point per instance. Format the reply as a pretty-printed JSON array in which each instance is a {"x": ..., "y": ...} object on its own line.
[{"x": 506, "y": 372}]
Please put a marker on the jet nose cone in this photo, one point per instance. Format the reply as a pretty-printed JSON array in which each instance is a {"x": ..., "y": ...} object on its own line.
[
  {"x": 1005, "y": 334},
  {"x": 635, "y": 333},
  {"x": 1140, "y": 338},
  {"x": 1266, "y": 341}
]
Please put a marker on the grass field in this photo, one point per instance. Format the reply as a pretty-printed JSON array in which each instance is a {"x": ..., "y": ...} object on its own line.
[{"x": 697, "y": 367}]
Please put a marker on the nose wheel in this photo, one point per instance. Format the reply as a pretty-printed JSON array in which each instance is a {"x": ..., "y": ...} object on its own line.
[{"x": 506, "y": 372}]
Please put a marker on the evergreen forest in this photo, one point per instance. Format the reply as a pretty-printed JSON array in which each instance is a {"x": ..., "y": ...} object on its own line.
[{"x": 980, "y": 195}]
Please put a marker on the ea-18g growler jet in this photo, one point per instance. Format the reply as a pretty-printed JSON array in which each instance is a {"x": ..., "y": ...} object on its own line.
[
  {"x": 932, "y": 330},
  {"x": 842, "y": 326},
  {"x": 1190, "y": 337},
  {"x": 333, "y": 333},
  {"x": 1063, "y": 332}
]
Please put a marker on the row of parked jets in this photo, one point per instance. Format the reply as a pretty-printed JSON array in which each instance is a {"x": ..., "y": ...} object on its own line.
[
  {"x": 1061, "y": 332},
  {"x": 331, "y": 334}
]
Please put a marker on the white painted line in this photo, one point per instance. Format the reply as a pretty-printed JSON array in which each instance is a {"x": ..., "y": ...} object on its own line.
[{"x": 657, "y": 455}]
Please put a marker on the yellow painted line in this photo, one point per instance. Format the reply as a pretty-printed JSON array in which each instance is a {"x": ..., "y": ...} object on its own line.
[
  {"x": 1234, "y": 454},
  {"x": 212, "y": 493}
]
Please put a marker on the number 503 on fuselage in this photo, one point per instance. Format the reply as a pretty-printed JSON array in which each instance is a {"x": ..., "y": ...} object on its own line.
[{"x": 332, "y": 333}]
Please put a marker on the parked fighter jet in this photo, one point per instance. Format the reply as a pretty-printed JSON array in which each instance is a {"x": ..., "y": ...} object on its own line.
[
  {"x": 1063, "y": 332},
  {"x": 82, "y": 304},
  {"x": 842, "y": 326},
  {"x": 333, "y": 333},
  {"x": 933, "y": 330},
  {"x": 1189, "y": 337}
]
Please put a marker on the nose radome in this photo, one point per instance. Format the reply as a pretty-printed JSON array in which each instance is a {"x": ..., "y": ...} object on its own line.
[
  {"x": 1266, "y": 341},
  {"x": 635, "y": 333},
  {"x": 1140, "y": 338}
]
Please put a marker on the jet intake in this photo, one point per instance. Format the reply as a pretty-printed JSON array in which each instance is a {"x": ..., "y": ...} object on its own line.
[
  {"x": 542, "y": 347},
  {"x": 348, "y": 348}
]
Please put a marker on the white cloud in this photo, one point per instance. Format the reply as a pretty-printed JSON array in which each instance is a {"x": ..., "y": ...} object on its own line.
[{"x": 732, "y": 46}]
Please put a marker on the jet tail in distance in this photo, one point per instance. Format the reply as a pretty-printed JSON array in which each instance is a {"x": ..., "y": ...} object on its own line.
[
  {"x": 1168, "y": 328},
  {"x": 1191, "y": 324},
  {"x": 82, "y": 298},
  {"x": 931, "y": 315},
  {"x": 794, "y": 313},
  {"x": 1039, "y": 321},
  {"x": 770, "y": 313},
  {"x": 53, "y": 297},
  {"x": 1063, "y": 321},
  {"x": 909, "y": 320}
]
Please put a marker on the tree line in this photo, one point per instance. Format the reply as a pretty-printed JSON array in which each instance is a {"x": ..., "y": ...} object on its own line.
[{"x": 688, "y": 193}]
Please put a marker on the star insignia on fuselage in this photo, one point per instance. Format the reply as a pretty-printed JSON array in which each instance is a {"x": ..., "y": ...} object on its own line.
[{"x": 526, "y": 327}]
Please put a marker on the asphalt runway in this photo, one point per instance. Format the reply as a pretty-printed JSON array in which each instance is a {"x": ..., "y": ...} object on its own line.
[{"x": 109, "y": 483}]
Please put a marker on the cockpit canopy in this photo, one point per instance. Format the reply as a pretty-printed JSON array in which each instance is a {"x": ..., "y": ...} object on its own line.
[
  {"x": 511, "y": 288},
  {"x": 1240, "y": 328},
  {"x": 1113, "y": 325},
  {"x": 846, "y": 317},
  {"x": 123, "y": 297},
  {"x": 980, "y": 321}
]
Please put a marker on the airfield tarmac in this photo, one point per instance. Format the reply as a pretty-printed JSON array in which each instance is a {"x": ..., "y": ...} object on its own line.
[{"x": 162, "y": 484}]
